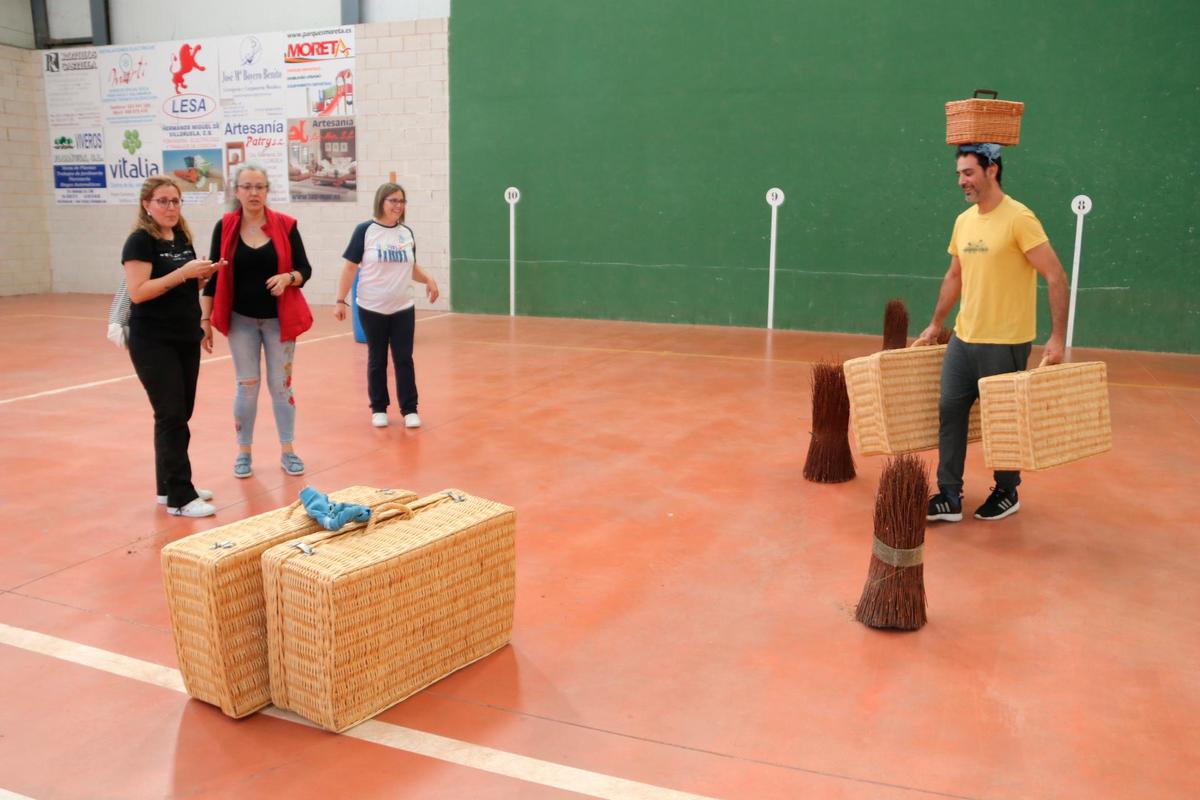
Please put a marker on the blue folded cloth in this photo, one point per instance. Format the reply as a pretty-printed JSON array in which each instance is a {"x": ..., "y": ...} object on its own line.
[{"x": 332, "y": 516}]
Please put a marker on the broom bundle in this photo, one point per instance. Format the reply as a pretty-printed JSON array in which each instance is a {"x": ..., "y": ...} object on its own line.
[
  {"x": 829, "y": 459},
  {"x": 895, "y": 325},
  {"x": 894, "y": 596}
]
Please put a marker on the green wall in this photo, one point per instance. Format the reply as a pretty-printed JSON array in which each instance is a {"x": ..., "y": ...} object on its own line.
[{"x": 644, "y": 135}]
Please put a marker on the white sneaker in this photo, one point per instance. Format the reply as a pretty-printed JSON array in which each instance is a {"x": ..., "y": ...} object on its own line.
[
  {"x": 412, "y": 420},
  {"x": 196, "y": 508},
  {"x": 379, "y": 420},
  {"x": 205, "y": 495}
]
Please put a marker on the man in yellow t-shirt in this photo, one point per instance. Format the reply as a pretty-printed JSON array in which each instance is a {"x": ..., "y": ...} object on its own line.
[{"x": 997, "y": 250}]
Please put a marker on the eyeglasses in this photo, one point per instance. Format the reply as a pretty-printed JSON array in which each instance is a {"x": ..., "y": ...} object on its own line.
[
  {"x": 168, "y": 202},
  {"x": 391, "y": 201},
  {"x": 253, "y": 187}
]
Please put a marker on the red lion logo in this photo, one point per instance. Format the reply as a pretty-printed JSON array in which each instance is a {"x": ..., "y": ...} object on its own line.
[{"x": 187, "y": 62}]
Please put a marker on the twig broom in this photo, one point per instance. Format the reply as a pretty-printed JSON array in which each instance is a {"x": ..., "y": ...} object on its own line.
[
  {"x": 829, "y": 459},
  {"x": 895, "y": 325},
  {"x": 894, "y": 596}
]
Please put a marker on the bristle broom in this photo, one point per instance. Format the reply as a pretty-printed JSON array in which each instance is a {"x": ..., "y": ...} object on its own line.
[
  {"x": 895, "y": 325},
  {"x": 894, "y": 595},
  {"x": 829, "y": 459}
]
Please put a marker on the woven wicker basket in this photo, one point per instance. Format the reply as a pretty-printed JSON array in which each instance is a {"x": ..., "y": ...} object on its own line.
[
  {"x": 979, "y": 120},
  {"x": 1045, "y": 417},
  {"x": 214, "y": 591},
  {"x": 358, "y": 621},
  {"x": 894, "y": 400}
]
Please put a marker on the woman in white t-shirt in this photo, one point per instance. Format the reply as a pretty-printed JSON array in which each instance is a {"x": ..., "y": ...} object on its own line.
[{"x": 384, "y": 254}]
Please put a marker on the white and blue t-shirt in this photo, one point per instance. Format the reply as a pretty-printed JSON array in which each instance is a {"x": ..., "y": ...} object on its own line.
[{"x": 385, "y": 257}]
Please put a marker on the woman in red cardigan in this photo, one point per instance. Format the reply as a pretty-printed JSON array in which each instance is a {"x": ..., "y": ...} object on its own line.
[{"x": 255, "y": 300}]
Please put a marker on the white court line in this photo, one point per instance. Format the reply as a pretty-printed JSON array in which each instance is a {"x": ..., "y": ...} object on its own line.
[
  {"x": 397, "y": 737},
  {"x": 50, "y": 392},
  {"x": 5, "y": 794}
]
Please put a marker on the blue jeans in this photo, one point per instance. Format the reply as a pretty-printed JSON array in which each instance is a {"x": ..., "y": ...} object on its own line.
[{"x": 248, "y": 337}]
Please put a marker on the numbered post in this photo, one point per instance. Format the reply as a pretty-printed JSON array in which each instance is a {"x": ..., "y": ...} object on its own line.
[
  {"x": 512, "y": 196},
  {"x": 1081, "y": 205},
  {"x": 775, "y": 200}
]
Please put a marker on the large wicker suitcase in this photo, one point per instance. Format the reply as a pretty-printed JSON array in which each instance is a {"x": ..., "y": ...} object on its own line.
[
  {"x": 1045, "y": 417},
  {"x": 359, "y": 620},
  {"x": 214, "y": 591},
  {"x": 894, "y": 400}
]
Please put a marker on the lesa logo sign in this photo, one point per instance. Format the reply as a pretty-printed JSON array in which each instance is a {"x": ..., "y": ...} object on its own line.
[
  {"x": 189, "y": 106},
  {"x": 315, "y": 49}
]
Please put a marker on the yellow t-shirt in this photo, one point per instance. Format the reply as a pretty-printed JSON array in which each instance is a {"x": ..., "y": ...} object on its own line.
[{"x": 999, "y": 285}]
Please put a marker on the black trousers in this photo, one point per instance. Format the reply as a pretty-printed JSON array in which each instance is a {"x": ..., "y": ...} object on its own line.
[
  {"x": 169, "y": 370},
  {"x": 394, "y": 330},
  {"x": 962, "y": 368}
]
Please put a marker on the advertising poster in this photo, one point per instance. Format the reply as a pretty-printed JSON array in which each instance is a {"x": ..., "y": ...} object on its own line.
[
  {"x": 252, "y": 76},
  {"x": 194, "y": 154},
  {"x": 77, "y": 159},
  {"x": 187, "y": 80},
  {"x": 320, "y": 73},
  {"x": 322, "y": 160},
  {"x": 133, "y": 153},
  {"x": 262, "y": 143},
  {"x": 127, "y": 78},
  {"x": 72, "y": 86}
]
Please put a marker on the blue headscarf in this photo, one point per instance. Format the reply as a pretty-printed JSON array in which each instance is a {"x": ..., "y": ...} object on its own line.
[{"x": 986, "y": 149}]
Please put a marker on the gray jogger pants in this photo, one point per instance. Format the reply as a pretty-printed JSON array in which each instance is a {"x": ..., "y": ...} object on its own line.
[{"x": 962, "y": 368}]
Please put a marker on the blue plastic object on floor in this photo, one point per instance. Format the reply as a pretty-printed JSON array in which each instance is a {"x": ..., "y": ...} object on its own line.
[
  {"x": 332, "y": 516},
  {"x": 360, "y": 335}
]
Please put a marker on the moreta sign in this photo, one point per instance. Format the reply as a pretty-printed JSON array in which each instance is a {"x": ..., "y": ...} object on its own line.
[{"x": 317, "y": 48}]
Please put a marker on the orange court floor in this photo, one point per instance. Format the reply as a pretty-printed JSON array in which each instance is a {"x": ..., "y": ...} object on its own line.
[{"x": 685, "y": 599}]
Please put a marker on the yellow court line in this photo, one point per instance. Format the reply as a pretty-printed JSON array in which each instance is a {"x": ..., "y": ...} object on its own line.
[
  {"x": 397, "y": 737},
  {"x": 676, "y": 353}
]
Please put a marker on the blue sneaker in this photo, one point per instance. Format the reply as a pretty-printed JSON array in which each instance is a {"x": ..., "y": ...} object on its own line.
[
  {"x": 241, "y": 466},
  {"x": 291, "y": 464}
]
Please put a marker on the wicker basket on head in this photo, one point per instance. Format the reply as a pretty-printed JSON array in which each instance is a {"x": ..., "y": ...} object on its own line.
[{"x": 983, "y": 120}]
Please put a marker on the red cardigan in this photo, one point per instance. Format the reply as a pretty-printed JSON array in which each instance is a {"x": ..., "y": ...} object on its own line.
[{"x": 294, "y": 315}]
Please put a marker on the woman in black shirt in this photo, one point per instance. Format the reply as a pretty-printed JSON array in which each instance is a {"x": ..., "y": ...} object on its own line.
[
  {"x": 164, "y": 276},
  {"x": 255, "y": 300}
]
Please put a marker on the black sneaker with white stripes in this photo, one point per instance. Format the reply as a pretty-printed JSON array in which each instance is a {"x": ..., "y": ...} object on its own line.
[
  {"x": 1000, "y": 504},
  {"x": 944, "y": 508}
]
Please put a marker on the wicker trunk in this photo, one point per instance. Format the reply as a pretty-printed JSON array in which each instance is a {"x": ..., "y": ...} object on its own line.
[
  {"x": 982, "y": 120},
  {"x": 215, "y": 595},
  {"x": 894, "y": 400},
  {"x": 357, "y": 621},
  {"x": 1045, "y": 417}
]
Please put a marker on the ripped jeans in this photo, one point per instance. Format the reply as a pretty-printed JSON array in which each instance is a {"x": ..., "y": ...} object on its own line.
[{"x": 248, "y": 337}]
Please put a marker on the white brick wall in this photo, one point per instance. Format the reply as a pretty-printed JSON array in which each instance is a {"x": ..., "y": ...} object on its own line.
[
  {"x": 25, "y": 183},
  {"x": 403, "y": 127}
]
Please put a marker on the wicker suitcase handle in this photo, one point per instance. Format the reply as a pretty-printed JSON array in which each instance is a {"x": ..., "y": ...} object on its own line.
[
  {"x": 380, "y": 512},
  {"x": 995, "y": 95}
]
